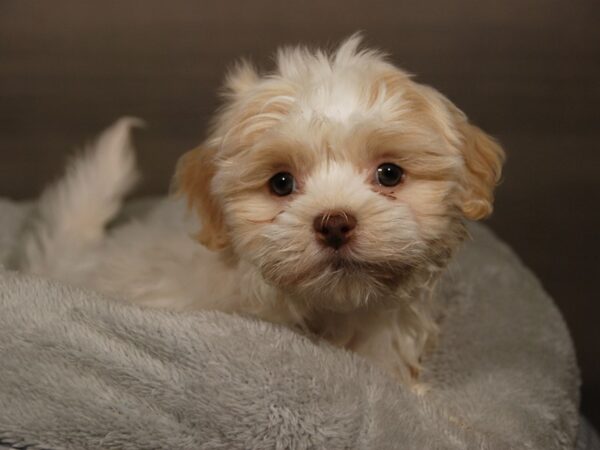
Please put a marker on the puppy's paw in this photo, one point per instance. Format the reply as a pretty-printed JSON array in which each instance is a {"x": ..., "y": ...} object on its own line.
[{"x": 420, "y": 388}]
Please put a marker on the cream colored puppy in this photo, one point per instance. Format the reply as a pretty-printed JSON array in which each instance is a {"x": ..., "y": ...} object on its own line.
[{"x": 331, "y": 194}]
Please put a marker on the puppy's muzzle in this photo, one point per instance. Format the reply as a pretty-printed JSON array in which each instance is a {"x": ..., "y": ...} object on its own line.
[{"x": 334, "y": 229}]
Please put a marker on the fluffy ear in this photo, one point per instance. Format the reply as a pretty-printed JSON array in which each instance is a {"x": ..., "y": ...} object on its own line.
[
  {"x": 482, "y": 155},
  {"x": 483, "y": 162},
  {"x": 193, "y": 178}
]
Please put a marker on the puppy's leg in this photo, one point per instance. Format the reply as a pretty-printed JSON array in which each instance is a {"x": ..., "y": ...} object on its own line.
[
  {"x": 396, "y": 341},
  {"x": 71, "y": 214}
]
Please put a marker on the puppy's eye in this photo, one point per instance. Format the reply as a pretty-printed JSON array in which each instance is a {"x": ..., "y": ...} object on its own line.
[
  {"x": 389, "y": 174},
  {"x": 282, "y": 184}
]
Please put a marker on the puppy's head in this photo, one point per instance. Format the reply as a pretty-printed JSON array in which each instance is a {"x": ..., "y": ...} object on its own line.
[{"x": 338, "y": 177}]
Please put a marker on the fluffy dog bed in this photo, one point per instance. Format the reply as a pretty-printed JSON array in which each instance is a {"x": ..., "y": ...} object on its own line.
[{"x": 78, "y": 371}]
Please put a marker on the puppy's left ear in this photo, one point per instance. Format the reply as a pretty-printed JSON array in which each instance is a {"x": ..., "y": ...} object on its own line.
[
  {"x": 193, "y": 178},
  {"x": 483, "y": 158},
  {"x": 482, "y": 155}
]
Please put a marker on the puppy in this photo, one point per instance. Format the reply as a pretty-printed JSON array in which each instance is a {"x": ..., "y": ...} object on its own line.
[{"x": 331, "y": 193}]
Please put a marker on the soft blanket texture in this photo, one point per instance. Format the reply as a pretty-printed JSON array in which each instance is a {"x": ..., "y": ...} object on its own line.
[{"x": 78, "y": 371}]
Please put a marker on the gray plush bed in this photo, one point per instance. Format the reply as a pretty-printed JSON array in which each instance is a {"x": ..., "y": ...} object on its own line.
[{"x": 78, "y": 371}]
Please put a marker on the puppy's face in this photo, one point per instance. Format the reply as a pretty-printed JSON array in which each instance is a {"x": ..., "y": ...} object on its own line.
[{"x": 340, "y": 179}]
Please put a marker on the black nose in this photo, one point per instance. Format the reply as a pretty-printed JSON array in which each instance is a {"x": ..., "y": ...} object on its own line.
[{"x": 334, "y": 229}]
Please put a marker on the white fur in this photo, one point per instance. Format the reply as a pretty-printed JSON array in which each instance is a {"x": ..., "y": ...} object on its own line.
[
  {"x": 156, "y": 262},
  {"x": 72, "y": 214},
  {"x": 319, "y": 116}
]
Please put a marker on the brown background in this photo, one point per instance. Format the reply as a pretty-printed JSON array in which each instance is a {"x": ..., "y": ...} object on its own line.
[{"x": 527, "y": 71}]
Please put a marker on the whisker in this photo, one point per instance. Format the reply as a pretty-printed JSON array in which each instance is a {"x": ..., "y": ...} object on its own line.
[{"x": 271, "y": 220}]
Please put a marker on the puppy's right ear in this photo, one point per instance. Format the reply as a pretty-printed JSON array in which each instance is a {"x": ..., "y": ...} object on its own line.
[{"x": 193, "y": 178}]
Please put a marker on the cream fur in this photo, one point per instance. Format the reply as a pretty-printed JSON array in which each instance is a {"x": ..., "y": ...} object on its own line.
[{"x": 330, "y": 120}]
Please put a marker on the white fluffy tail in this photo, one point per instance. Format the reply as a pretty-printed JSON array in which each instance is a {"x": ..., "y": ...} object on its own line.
[{"x": 72, "y": 213}]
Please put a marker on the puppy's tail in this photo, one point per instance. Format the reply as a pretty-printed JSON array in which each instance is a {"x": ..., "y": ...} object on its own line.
[{"x": 72, "y": 214}]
